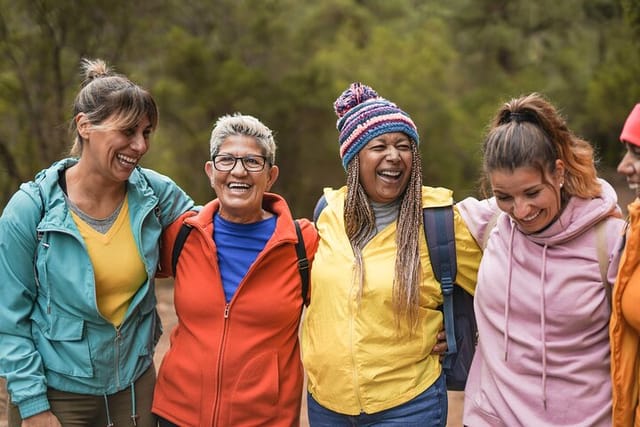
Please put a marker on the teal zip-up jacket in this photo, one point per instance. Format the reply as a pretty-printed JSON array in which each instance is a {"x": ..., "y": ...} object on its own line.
[{"x": 51, "y": 332}]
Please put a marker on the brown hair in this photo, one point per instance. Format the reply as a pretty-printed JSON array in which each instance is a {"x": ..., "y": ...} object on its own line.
[
  {"x": 110, "y": 101},
  {"x": 360, "y": 224},
  {"x": 529, "y": 131}
]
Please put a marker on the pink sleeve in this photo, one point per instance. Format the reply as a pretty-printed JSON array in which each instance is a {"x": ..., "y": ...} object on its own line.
[{"x": 479, "y": 215}]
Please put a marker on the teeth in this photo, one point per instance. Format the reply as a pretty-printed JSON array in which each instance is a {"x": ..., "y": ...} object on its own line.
[
  {"x": 390, "y": 173},
  {"x": 633, "y": 185},
  {"x": 238, "y": 185},
  {"x": 127, "y": 159},
  {"x": 529, "y": 218}
]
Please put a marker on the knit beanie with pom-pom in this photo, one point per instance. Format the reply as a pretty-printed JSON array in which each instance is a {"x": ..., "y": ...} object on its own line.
[
  {"x": 631, "y": 130},
  {"x": 364, "y": 115}
]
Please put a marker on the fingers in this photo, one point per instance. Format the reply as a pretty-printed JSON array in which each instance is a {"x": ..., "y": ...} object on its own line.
[{"x": 440, "y": 348}]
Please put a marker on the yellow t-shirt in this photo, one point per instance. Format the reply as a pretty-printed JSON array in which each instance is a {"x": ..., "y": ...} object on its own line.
[{"x": 118, "y": 268}]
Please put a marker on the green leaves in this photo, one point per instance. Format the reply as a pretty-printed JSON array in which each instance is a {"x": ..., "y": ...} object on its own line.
[{"x": 448, "y": 63}]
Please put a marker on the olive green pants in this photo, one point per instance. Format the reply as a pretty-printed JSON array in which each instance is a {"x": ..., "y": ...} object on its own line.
[{"x": 80, "y": 410}]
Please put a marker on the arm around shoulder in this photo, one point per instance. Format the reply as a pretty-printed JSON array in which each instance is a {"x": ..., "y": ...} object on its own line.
[
  {"x": 468, "y": 254},
  {"x": 172, "y": 200}
]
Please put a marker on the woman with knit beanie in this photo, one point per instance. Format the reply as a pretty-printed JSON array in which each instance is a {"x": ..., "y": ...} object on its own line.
[
  {"x": 624, "y": 327},
  {"x": 374, "y": 318}
]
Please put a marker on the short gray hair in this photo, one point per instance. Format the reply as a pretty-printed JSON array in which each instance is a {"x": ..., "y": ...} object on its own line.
[{"x": 243, "y": 125}]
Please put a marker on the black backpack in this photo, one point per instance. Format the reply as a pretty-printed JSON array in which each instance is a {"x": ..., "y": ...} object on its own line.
[
  {"x": 303, "y": 262},
  {"x": 459, "y": 317}
]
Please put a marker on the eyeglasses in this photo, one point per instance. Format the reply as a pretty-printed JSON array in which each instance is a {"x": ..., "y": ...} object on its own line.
[{"x": 226, "y": 162}]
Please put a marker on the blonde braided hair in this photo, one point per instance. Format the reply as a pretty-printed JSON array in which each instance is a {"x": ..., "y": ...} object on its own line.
[{"x": 360, "y": 225}]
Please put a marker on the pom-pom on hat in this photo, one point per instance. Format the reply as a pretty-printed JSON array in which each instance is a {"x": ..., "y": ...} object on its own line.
[
  {"x": 364, "y": 115},
  {"x": 631, "y": 130}
]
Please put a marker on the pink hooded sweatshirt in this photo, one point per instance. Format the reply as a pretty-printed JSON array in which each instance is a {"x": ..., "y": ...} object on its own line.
[{"x": 543, "y": 312}]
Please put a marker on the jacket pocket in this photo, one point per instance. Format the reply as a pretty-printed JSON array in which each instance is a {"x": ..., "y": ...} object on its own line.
[
  {"x": 148, "y": 326},
  {"x": 62, "y": 346},
  {"x": 257, "y": 383}
]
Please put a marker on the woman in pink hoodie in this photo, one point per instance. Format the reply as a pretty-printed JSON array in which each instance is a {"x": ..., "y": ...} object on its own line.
[{"x": 543, "y": 295}]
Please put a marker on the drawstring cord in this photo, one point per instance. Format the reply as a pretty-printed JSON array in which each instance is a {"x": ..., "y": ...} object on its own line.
[
  {"x": 543, "y": 327},
  {"x": 507, "y": 302},
  {"x": 106, "y": 406},
  {"x": 134, "y": 413}
]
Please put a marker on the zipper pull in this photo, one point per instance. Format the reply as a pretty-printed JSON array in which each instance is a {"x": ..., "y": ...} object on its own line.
[{"x": 226, "y": 311}]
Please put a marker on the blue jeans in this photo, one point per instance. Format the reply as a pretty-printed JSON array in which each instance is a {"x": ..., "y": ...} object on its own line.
[{"x": 427, "y": 409}]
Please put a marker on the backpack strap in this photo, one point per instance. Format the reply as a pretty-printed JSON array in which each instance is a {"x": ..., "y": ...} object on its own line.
[
  {"x": 185, "y": 229},
  {"x": 440, "y": 235},
  {"x": 303, "y": 262},
  {"x": 603, "y": 257},
  {"x": 490, "y": 226},
  {"x": 320, "y": 205}
]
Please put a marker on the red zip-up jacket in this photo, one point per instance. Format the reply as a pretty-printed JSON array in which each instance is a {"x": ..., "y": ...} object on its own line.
[{"x": 235, "y": 364}]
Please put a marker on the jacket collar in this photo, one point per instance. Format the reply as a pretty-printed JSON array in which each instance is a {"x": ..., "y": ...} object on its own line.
[
  {"x": 271, "y": 202},
  {"x": 55, "y": 209}
]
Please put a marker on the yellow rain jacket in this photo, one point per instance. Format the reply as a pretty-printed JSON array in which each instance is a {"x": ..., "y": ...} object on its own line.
[{"x": 356, "y": 357}]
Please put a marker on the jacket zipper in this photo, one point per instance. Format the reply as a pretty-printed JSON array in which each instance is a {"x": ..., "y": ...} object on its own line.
[
  {"x": 354, "y": 365},
  {"x": 227, "y": 308},
  {"x": 216, "y": 403},
  {"x": 117, "y": 341}
]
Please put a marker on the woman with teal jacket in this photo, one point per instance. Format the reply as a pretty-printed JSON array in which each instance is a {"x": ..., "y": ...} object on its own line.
[{"x": 78, "y": 254}]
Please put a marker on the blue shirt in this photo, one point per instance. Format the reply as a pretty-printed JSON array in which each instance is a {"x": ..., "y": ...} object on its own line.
[{"x": 238, "y": 247}]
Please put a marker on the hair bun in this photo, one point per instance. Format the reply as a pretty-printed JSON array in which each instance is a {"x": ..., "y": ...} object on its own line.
[
  {"x": 357, "y": 93},
  {"x": 94, "y": 69}
]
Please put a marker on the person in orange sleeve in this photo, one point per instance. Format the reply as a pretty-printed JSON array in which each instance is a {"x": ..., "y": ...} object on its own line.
[{"x": 625, "y": 317}]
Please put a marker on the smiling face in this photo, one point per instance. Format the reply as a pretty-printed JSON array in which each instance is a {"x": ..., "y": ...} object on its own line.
[
  {"x": 240, "y": 192},
  {"x": 110, "y": 152},
  {"x": 629, "y": 166},
  {"x": 531, "y": 199},
  {"x": 385, "y": 166}
]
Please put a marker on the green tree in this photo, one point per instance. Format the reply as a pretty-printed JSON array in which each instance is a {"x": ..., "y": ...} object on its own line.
[
  {"x": 41, "y": 44},
  {"x": 448, "y": 63}
]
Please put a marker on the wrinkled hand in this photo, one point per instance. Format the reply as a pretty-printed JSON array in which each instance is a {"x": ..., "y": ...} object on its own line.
[
  {"x": 440, "y": 348},
  {"x": 43, "y": 419}
]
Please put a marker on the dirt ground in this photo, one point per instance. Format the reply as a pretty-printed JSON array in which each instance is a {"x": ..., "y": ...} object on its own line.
[{"x": 165, "y": 307}]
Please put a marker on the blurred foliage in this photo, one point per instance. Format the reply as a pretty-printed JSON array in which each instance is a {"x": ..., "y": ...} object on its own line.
[{"x": 449, "y": 63}]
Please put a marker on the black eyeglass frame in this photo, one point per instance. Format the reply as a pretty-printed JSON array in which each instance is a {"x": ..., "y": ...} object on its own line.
[{"x": 242, "y": 161}]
